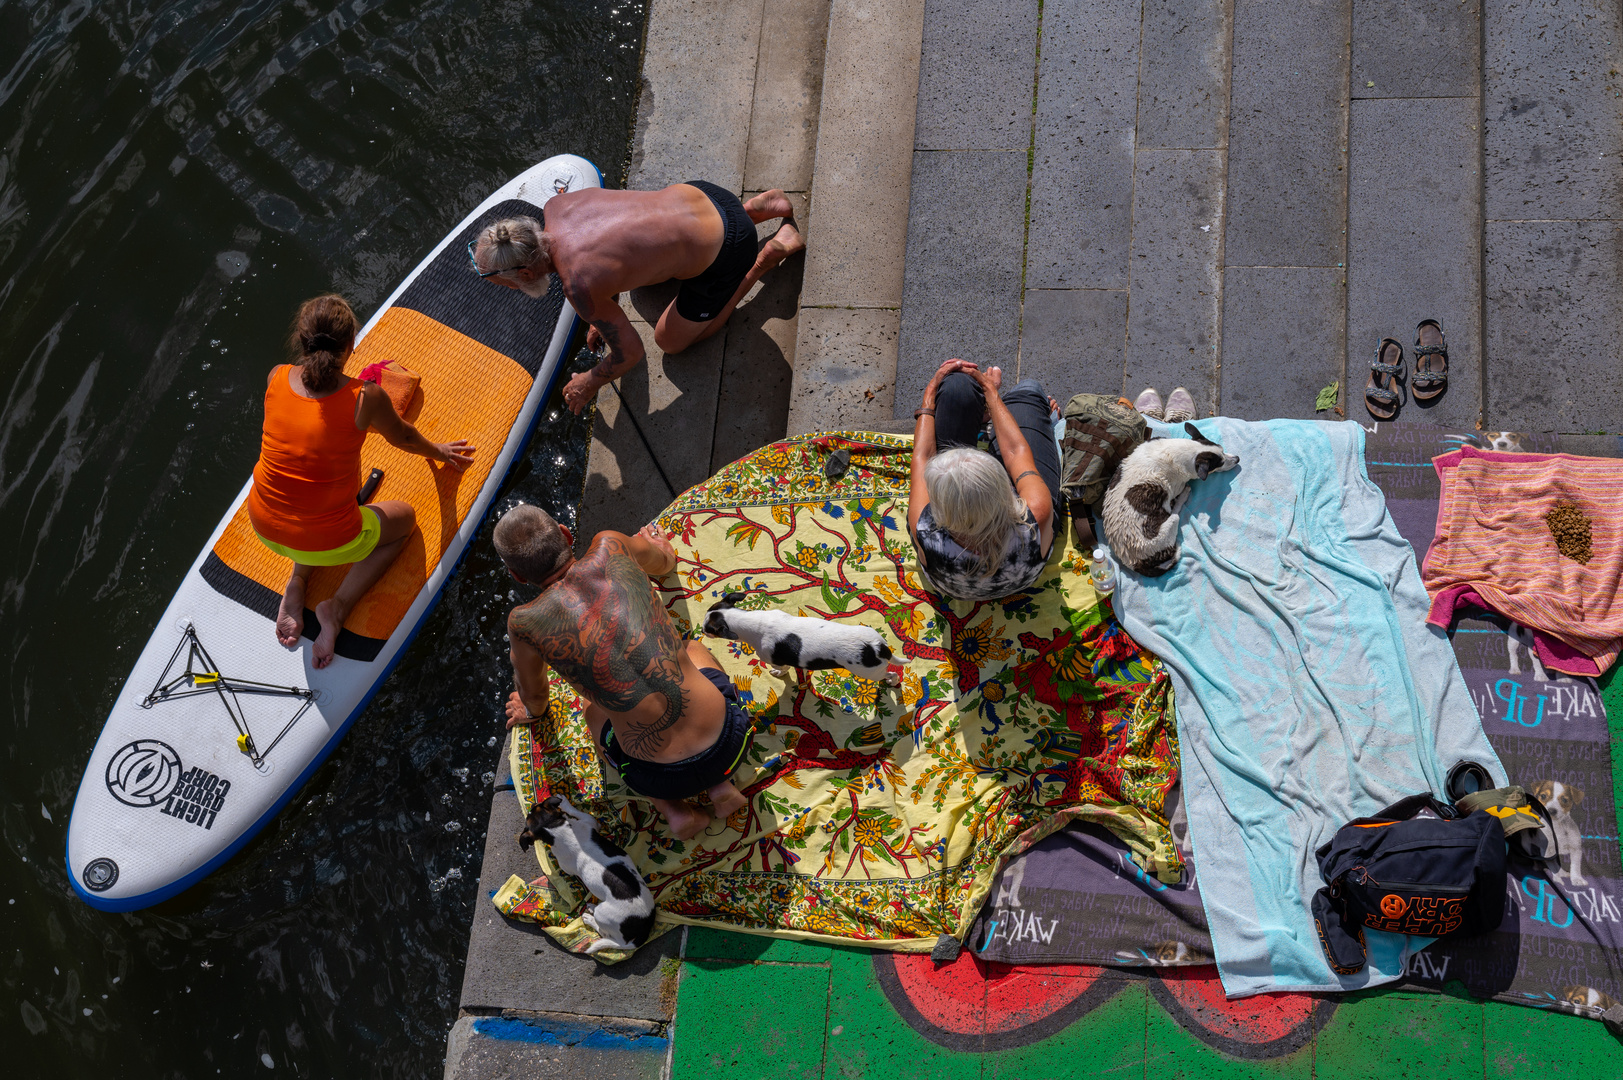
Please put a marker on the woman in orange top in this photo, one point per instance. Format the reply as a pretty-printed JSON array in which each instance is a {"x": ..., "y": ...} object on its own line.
[{"x": 302, "y": 504}]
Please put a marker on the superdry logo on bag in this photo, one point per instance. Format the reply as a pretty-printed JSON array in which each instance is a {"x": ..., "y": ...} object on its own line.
[{"x": 1430, "y": 916}]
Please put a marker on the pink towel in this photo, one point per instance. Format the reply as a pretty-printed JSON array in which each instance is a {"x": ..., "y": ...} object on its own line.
[
  {"x": 1553, "y": 653},
  {"x": 1491, "y": 536}
]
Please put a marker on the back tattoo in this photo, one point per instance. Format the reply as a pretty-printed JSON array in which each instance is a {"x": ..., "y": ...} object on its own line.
[{"x": 602, "y": 629}]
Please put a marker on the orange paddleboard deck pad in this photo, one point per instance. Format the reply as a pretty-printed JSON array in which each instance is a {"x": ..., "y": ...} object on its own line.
[{"x": 218, "y": 725}]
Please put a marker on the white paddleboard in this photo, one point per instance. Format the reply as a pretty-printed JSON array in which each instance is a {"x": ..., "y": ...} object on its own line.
[{"x": 218, "y": 725}]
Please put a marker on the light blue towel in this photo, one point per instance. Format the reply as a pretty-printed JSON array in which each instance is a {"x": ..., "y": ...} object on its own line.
[{"x": 1310, "y": 689}]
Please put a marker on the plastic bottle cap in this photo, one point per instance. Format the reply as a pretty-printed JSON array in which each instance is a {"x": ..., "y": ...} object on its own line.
[{"x": 1099, "y": 553}]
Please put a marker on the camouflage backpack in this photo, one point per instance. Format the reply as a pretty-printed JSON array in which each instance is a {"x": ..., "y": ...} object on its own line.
[{"x": 1099, "y": 432}]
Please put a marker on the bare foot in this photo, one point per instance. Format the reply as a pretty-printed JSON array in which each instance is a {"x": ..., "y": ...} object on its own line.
[
  {"x": 784, "y": 243},
  {"x": 768, "y": 205},
  {"x": 327, "y": 640},
  {"x": 726, "y": 800},
  {"x": 685, "y": 819},
  {"x": 290, "y": 616}
]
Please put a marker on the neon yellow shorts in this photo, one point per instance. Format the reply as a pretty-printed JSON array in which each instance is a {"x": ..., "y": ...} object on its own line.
[{"x": 354, "y": 551}]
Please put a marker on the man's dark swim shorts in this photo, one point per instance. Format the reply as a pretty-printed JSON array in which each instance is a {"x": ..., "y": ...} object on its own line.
[
  {"x": 684, "y": 779},
  {"x": 701, "y": 298}
]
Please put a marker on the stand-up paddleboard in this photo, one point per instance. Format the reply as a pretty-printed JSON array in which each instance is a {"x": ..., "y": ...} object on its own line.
[{"x": 218, "y": 725}]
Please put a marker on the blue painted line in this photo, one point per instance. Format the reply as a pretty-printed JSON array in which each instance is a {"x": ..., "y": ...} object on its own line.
[
  {"x": 554, "y": 1033},
  {"x": 1401, "y": 464}
]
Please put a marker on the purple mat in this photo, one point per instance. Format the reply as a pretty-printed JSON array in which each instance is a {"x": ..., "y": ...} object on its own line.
[{"x": 1077, "y": 897}]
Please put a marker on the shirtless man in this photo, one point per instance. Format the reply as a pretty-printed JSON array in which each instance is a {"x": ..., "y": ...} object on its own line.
[
  {"x": 601, "y": 243},
  {"x": 663, "y": 714}
]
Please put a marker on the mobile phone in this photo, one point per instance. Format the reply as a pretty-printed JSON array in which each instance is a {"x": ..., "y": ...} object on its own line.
[{"x": 370, "y": 488}]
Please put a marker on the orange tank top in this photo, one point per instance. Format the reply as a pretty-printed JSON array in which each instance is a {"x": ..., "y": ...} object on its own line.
[{"x": 309, "y": 467}]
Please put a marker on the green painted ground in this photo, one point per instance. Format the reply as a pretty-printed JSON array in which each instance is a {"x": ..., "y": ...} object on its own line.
[
  {"x": 751, "y": 1008},
  {"x": 797, "y": 1012}
]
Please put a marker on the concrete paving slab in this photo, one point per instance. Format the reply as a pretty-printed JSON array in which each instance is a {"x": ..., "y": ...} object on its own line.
[
  {"x": 758, "y": 359},
  {"x": 1555, "y": 331},
  {"x": 1074, "y": 341},
  {"x": 864, "y": 153},
  {"x": 845, "y": 369},
  {"x": 1414, "y": 243},
  {"x": 1082, "y": 166},
  {"x": 1184, "y": 86},
  {"x": 1287, "y": 134},
  {"x": 1553, "y": 134},
  {"x": 1105, "y": 1043},
  {"x": 1397, "y": 1036},
  {"x": 1172, "y": 324},
  {"x": 580, "y": 1048},
  {"x": 1283, "y": 340},
  {"x": 788, "y": 83},
  {"x": 672, "y": 402},
  {"x": 693, "y": 121},
  {"x": 745, "y": 1030},
  {"x": 1416, "y": 48},
  {"x": 513, "y": 965},
  {"x": 965, "y": 240},
  {"x": 1543, "y": 1042},
  {"x": 976, "y": 75}
]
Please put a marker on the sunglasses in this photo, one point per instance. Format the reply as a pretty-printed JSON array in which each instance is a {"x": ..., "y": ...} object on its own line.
[{"x": 485, "y": 273}]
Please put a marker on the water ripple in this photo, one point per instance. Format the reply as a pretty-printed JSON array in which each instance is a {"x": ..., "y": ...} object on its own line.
[{"x": 174, "y": 177}]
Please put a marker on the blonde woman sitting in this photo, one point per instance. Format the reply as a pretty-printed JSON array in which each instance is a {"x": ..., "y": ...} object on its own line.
[{"x": 983, "y": 523}]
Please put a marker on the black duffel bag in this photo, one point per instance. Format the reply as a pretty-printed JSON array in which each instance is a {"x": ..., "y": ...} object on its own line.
[{"x": 1430, "y": 876}]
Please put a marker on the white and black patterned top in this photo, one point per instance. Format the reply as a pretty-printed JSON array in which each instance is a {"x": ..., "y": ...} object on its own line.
[{"x": 955, "y": 570}]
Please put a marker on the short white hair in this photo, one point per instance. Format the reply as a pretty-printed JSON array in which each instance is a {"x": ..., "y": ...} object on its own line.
[{"x": 971, "y": 497}]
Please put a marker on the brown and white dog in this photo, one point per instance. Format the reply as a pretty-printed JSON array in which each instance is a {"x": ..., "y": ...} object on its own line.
[
  {"x": 1509, "y": 442},
  {"x": 1519, "y": 638},
  {"x": 1586, "y": 1000},
  {"x": 1561, "y": 800}
]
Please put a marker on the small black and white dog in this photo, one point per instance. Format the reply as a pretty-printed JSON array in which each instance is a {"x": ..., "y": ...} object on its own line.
[
  {"x": 1149, "y": 487},
  {"x": 624, "y": 914},
  {"x": 792, "y": 641}
]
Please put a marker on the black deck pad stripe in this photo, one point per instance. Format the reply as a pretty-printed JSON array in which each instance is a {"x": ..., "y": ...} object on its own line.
[
  {"x": 448, "y": 291},
  {"x": 237, "y": 586}
]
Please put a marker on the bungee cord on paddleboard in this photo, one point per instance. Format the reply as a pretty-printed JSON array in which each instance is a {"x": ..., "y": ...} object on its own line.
[{"x": 206, "y": 678}]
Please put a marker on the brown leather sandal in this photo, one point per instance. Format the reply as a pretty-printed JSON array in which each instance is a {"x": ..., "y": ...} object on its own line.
[
  {"x": 1383, "y": 394},
  {"x": 1430, "y": 361}
]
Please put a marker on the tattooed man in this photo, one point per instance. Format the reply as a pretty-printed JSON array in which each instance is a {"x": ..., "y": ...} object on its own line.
[
  {"x": 601, "y": 243},
  {"x": 662, "y": 713}
]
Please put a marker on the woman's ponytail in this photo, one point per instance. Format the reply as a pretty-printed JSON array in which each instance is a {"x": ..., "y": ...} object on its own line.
[{"x": 323, "y": 334}]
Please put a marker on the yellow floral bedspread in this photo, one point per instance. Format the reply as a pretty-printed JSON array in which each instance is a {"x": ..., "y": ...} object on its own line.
[{"x": 877, "y": 815}]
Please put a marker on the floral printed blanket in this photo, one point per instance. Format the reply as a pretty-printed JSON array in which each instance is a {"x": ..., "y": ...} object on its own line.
[{"x": 877, "y": 815}]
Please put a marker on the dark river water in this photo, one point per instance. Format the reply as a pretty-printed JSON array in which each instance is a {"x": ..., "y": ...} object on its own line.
[{"x": 174, "y": 178}]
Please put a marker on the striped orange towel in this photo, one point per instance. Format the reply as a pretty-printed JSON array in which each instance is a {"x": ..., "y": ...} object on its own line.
[{"x": 1491, "y": 535}]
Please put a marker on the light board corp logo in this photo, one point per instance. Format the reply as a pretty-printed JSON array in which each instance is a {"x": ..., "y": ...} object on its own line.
[
  {"x": 100, "y": 875},
  {"x": 143, "y": 773}
]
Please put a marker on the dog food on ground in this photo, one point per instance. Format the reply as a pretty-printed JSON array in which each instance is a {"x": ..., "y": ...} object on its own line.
[{"x": 1570, "y": 527}]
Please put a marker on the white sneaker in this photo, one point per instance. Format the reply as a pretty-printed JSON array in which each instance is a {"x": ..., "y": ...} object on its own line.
[
  {"x": 1148, "y": 402},
  {"x": 1180, "y": 407}
]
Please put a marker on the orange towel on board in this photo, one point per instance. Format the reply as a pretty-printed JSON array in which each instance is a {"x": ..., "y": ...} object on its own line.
[{"x": 401, "y": 385}]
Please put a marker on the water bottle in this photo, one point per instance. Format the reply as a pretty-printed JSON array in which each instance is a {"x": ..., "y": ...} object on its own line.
[{"x": 1102, "y": 572}]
